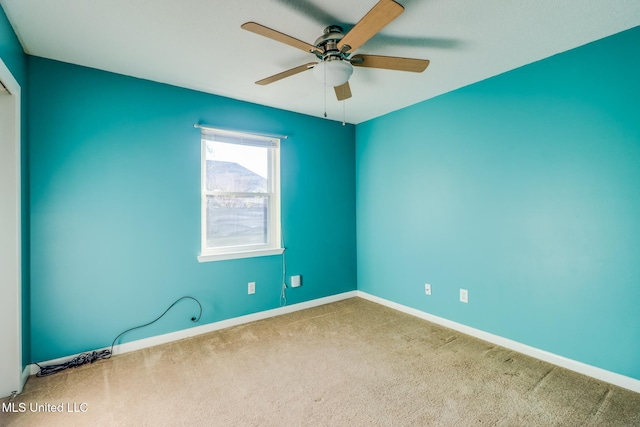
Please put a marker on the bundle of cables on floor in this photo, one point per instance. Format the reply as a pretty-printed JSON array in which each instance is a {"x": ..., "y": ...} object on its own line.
[{"x": 85, "y": 358}]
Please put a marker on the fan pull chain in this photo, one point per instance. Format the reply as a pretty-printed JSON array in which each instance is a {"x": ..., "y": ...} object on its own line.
[{"x": 344, "y": 115}]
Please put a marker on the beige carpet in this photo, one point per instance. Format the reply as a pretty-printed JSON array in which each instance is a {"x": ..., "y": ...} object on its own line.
[{"x": 350, "y": 363}]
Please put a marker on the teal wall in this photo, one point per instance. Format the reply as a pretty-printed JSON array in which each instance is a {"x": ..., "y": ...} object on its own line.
[
  {"x": 14, "y": 58},
  {"x": 115, "y": 208},
  {"x": 11, "y": 51},
  {"x": 523, "y": 189}
]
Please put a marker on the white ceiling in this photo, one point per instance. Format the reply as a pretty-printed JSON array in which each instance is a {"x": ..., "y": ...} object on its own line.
[{"x": 198, "y": 44}]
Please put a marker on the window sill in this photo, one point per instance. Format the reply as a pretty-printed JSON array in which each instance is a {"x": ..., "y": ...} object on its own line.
[{"x": 240, "y": 255}]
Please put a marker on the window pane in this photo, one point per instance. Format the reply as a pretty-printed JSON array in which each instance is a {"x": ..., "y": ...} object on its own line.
[
  {"x": 236, "y": 168},
  {"x": 234, "y": 221}
]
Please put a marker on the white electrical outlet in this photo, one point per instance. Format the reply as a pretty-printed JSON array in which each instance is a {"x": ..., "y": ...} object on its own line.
[
  {"x": 427, "y": 288},
  {"x": 296, "y": 281},
  {"x": 464, "y": 295},
  {"x": 252, "y": 288}
]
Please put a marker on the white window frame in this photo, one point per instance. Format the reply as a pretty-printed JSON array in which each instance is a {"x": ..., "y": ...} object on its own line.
[{"x": 274, "y": 245}]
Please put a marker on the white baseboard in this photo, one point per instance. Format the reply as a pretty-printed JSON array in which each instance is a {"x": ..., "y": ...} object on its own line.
[
  {"x": 198, "y": 330},
  {"x": 573, "y": 365}
]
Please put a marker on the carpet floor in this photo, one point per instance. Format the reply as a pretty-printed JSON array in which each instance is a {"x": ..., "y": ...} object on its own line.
[{"x": 348, "y": 363}]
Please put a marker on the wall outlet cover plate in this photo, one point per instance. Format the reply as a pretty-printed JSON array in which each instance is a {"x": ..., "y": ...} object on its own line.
[{"x": 296, "y": 281}]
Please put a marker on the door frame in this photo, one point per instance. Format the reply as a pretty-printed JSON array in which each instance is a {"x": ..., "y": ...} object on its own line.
[{"x": 11, "y": 367}]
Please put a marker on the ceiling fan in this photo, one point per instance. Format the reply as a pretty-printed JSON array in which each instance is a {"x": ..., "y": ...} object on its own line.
[{"x": 334, "y": 48}]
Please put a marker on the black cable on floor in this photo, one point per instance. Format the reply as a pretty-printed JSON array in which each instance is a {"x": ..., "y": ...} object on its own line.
[{"x": 85, "y": 358}]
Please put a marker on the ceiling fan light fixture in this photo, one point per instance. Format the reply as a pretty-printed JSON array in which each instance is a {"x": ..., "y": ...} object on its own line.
[{"x": 337, "y": 71}]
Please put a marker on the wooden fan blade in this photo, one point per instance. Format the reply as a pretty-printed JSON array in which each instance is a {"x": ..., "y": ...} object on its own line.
[
  {"x": 277, "y": 36},
  {"x": 287, "y": 73},
  {"x": 390, "y": 63},
  {"x": 376, "y": 19},
  {"x": 343, "y": 91}
]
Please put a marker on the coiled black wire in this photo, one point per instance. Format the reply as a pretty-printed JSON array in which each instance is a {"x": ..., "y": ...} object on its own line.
[{"x": 85, "y": 358}]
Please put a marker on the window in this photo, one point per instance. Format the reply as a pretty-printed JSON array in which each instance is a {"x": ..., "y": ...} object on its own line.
[{"x": 240, "y": 195}]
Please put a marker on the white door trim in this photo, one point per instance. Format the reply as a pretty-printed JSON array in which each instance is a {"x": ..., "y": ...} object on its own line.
[{"x": 11, "y": 378}]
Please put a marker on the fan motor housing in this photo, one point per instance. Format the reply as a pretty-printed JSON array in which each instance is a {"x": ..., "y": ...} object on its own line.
[{"x": 328, "y": 42}]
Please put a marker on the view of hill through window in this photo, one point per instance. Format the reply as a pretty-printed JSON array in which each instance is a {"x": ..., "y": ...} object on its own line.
[
  {"x": 249, "y": 157},
  {"x": 238, "y": 208}
]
